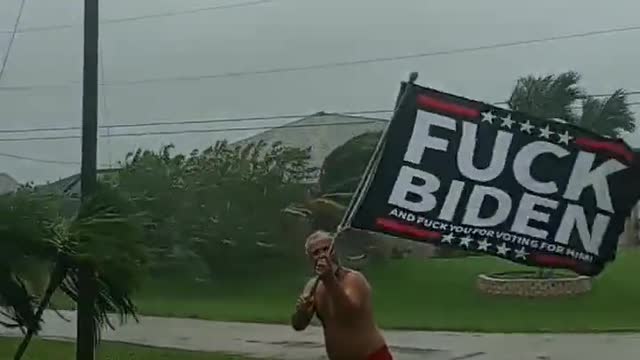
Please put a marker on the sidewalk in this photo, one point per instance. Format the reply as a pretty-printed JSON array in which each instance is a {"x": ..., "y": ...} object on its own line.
[{"x": 280, "y": 342}]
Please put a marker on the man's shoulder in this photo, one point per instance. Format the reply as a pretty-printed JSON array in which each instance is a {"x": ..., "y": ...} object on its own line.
[
  {"x": 352, "y": 272},
  {"x": 355, "y": 277}
]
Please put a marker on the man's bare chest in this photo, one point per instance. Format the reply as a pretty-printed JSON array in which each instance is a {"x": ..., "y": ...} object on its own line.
[{"x": 324, "y": 307}]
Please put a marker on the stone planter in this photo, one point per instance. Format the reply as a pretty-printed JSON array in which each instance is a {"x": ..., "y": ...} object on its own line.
[{"x": 527, "y": 285}]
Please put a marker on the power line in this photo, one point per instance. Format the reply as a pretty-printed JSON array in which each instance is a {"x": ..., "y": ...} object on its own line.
[
  {"x": 47, "y": 161},
  {"x": 238, "y": 119},
  {"x": 191, "y": 122},
  {"x": 142, "y": 17},
  {"x": 44, "y": 161},
  {"x": 206, "y": 131},
  {"x": 185, "y": 12},
  {"x": 344, "y": 63},
  {"x": 379, "y": 59},
  {"x": 593, "y": 96},
  {"x": 194, "y": 131},
  {"x": 5, "y": 59},
  {"x": 197, "y": 131}
]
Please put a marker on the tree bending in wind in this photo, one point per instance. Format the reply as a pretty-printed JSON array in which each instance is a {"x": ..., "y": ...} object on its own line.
[
  {"x": 560, "y": 96},
  {"x": 24, "y": 223},
  {"x": 104, "y": 236},
  {"x": 609, "y": 117}
]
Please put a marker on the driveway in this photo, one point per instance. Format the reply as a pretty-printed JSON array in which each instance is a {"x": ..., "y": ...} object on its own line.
[{"x": 280, "y": 342}]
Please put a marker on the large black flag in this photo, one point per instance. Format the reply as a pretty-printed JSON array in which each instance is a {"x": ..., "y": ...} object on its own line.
[{"x": 462, "y": 173}]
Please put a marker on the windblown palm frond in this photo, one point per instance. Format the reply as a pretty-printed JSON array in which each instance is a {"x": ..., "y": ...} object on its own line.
[
  {"x": 25, "y": 221},
  {"x": 106, "y": 237},
  {"x": 551, "y": 96},
  {"x": 16, "y": 302},
  {"x": 608, "y": 117}
]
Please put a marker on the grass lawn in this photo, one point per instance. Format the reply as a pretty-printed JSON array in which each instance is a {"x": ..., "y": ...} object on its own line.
[
  {"x": 410, "y": 294},
  {"x": 58, "y": 350}
]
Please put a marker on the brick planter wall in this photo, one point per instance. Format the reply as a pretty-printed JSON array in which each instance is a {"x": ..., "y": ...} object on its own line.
[{"x": 533, "y": 287}]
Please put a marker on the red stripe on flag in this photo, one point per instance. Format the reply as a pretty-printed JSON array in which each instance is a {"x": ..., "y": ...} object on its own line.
[
  {"x": 616, "y": 150},
  {"x": 554, "y": 260},
  {"x": 448, "y": 108},
  {"x": 400, "y": 228}
]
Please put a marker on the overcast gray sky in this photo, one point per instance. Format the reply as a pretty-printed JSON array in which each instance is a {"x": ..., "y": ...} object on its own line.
[{"x": 285, "y": 33}]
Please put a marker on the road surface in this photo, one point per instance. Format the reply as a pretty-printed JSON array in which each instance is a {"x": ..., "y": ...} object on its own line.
[{"x": 280, "y": 342}]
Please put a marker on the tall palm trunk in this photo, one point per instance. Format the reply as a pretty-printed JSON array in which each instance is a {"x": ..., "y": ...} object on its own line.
[{"x": 57, "y": 276}]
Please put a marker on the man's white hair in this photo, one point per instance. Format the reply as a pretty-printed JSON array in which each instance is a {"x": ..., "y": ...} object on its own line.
[{"x": 317, "y": 235}]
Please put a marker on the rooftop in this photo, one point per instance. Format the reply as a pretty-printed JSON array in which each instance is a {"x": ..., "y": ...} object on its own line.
[{"x": 323, "y": 132}]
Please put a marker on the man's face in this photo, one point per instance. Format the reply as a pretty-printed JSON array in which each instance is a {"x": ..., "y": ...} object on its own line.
[{"x": 319, "y": 248}]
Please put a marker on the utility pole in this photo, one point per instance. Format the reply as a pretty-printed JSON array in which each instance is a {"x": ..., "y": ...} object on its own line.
[{"x": 86, "y": 331}]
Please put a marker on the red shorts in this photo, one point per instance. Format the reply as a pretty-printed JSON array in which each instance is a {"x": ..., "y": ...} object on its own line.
[{"x": 381, "y": 354}]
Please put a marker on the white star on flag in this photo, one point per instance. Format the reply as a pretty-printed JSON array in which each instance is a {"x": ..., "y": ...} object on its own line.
[
  {"x": 521, "y": 253},
  {"x": 546, "y": 132},
  {"x": 483, "y": 245},
  {"x": 466, "y": 241},
  {"x": 526, "y": 127},
  {"x": 447, "y": 238},
  {"x": 508, "y": 122},
  {"x": 565, "y": 138},
  {"x": 488, "y": 117},
  {"x": 503, "y": 249}
]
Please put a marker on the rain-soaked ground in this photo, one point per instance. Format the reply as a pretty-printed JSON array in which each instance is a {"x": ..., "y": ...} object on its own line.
[{"x": 280, "y": 342}]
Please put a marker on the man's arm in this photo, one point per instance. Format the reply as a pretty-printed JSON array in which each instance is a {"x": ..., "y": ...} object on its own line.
[
  {"x": 305, "y": 308},
  {"x": 350, "y": 296},
  {"x": 301, "y": 319}
]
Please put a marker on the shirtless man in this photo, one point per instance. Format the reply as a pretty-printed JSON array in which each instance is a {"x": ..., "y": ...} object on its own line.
[{"x": 342, "y": 302}]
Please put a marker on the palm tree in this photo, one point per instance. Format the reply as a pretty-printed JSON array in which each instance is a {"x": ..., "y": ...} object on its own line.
[
  {"x": 24, "y": 223},
  {"x": 104, "y": 237},
  {"x": 550, "y": 96},
  {"x": 559, "y": 96},
  {"x": 609, "y": 117}
]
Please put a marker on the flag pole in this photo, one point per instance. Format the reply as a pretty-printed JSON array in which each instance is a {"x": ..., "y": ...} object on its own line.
[{"x": 368, "y": 173}]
